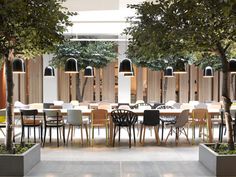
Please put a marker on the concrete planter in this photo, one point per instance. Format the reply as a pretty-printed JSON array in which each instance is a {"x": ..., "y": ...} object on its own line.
[
  {"x": 19, "y": 164},
  {"x": 220, "y": 165}
]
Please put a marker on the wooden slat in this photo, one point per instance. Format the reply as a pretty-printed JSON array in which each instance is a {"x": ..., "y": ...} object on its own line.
[
  {"x": 153, "y": 86},
  {"x": 108, "y": 83},
  {"x": 216, "y": 86},
  {"x": 205, "y": 88},
  {"x": 193, "y": 83},
  {"x": 169, "y": 94},
  {"x": 97, "y": 84},
  {"x": 184, "y": 87},
  {"x": 63, "y": 86},
  {"x": 139, "y": 81}
]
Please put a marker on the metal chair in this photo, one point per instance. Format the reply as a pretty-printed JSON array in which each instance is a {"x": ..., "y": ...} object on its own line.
[
  {"x": 123, "y": 118},
  {"x": 53, "y": 119},
  {"x": 28, "y": 120}
]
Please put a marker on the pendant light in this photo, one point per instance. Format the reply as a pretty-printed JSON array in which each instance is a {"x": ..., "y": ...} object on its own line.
[
  {"x": 49, "y": 71},
  {"x": 126, "y": 66},
  {"x": 232, "y": 66},
  {"x": 180, "y": 67},
  {"x": 71, "y": 66},
  {"x": 208, "y": 72},
  {"x": 89, "y": 71},
  {"x": 168, "y": 72},
  {"x": 18, "y": 66}
]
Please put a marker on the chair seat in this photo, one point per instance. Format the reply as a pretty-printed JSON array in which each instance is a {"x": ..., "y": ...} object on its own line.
[
  {"x": 53, "y": 124},
  {"x": 168, "y": 119},
  {"x": 30, "y": 122}
]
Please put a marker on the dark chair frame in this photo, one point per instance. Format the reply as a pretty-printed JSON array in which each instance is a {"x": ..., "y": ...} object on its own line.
[
  {"x": 124, "y": 118},
  {"x": 30, "y": 113}
]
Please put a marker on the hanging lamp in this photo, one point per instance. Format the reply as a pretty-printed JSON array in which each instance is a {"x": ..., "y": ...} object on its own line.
[
  {"x": 18, "y": 66},
  {"x": 89, "y": 71},
  {"x": 232, "y": 66},
  {"x": 208, "y": 72},
  {"x": 168, "y": 72},
  {"x": 71, "y": 66},
  {"x": 126, "y": 66},
  {"x": 49, "y": 71},
  {"x": 180, "y": 67}
]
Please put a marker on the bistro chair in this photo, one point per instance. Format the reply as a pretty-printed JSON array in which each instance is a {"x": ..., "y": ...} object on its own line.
[
  {"x": 28, "y": 120},
  {"x": 178, "y": 126},
  {"x": 124, "y": 118},
  {"x": 74, "y": 119},
  {"x": 151, "y": 118},
  {"x": 99, "y": 118},
  {"x": 199, "y": 119},
  {"x": 165, "y": 119},
  {"x": 53, "y": 119},
  {"x": 2, "y": 120}
]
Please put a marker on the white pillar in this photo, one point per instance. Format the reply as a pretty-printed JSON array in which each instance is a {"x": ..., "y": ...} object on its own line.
[
  {"x": 50, "y": 91},
  {"x": 124, "y": 83}
]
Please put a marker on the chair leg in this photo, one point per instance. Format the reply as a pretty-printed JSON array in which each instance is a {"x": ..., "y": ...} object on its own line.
[
  {"x": 134, "y": 135},
  {"x": 171, "y": 129},
  {"x": 28, "y": 133},
  {"x": 68, "y": 133},
  {"x": 41, "y": 133},
  {"x": 22, "y": 134},
  {"x": 86, "y": 131},
  {"x": 162, "y": 130},
  {"x": 157, "y": 134},
  {"x": 114, "y": 135},
  {"x": 129, "y": 136},
  {"x": 144, "y": 131},
  {"x": 50, "y": 134},
  {"x": 63, "y": 134},
  {"x": 141, "y": 132},
  {"x": 44, "y": 138},
  {"x": 186, "y": 135},
  {"x": 81, "y": 128},
  {"x": 176, "y": 136},
  {"x": 34, "y": 135},
  {"x": 57, "y": 136},
  {"x": 119, "y": 135}
]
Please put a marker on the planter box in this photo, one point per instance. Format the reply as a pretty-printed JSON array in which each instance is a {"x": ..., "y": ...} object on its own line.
[
  {"x": 19, "y": 164},
  {"x": 220, "y": 165}
]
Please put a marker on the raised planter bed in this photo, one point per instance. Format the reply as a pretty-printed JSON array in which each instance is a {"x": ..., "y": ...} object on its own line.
[
  {"x": 220, "y": 165},
  {"x": 19, "y": 164}
]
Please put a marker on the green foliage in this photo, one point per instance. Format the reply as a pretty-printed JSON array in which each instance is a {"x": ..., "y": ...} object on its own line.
[
  {"x": 181, "y": 27},
  {"x": 222, "y": 149},
  {"x": 96, "y": 54},
  {"x": 31, "y": 27},
  {"x": 18, "y": 148}
]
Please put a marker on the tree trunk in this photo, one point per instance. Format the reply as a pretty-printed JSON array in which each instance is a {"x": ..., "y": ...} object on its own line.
[
  {"x": 79, "y": 94},
  {"x": 9, "y": 99},
  {"x": 226, "y": 96}
]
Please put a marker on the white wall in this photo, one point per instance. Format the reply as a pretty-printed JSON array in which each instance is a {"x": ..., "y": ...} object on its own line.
[
  {"x": 50, "y": 91},
  {"x": 124, "y": 83}
]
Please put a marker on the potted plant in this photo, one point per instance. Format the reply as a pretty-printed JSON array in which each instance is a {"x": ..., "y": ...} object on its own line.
[
  {"x": 28, "y": 29},
  {"x": 199, "y": 28}
]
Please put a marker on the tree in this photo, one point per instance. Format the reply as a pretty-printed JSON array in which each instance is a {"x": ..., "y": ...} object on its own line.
[
  {"x": 28, "y": 28},
  {"x": 197, "y": 27},
  {"x": 88, "y": 53}
]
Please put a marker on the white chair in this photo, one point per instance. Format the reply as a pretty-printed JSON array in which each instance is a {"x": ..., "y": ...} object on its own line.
[
  {"x": 58, "y": 103},
  {"x": 201, "y": 106},
  {"x": 170, "y": 103},
  {"x": 75, "y": 102},
  {"x": 194, "y": 103},
  {"x": 75, "y": 119}
]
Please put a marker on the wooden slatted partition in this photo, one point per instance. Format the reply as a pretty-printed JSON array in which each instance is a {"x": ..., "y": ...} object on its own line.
[
  {"x": 139, "y": 81},
  {"x": 35, "y": 80},
  {"x": 184, "y": 87},
  {"x": 108, "y": 83},
  {"x": 205, "y": 88},
  {"x": 153, "y": 86},
  {"x": 193, "y": 88},
  {"x": 97, "y": 84},
  {"x": 170, "y": 85},
  {"x": 63, "y": 86}
]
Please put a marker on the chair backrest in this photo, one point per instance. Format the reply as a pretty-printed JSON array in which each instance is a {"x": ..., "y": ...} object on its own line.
[
  {"x": 28, "y": 114},
  {"x": 52, "y": 112},
  {"x": 201, "y": 106},
  {"x": 67, "y": 106},
  {"x": 151, "y": 117},
  {"x": 55, "y": 107},
  {"x": 170, "y": 103},
  {"x": 177, "y": 105},
  {"x": 165, "y": 107},
  {"x": 74, "y": 102},
  {"x": 182, "y": 119},
  {"x": 74, "y": 117},
  {"x": 58, "y": 102},
  {"x": 124, "y": 117},
  {"x": 99, "y": 116},
  {"x": 144, "y": 106},
  {"x": 2, "y": 116},
  {"x": 199, "y": 115},
  {"x": 36, "y": 106}
]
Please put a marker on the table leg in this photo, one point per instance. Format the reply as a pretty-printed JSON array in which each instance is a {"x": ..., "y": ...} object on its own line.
[{"x": 111, "y": 132}]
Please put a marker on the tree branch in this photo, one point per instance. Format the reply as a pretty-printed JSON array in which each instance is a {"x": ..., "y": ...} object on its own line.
[{"x": 227, "y": 46}]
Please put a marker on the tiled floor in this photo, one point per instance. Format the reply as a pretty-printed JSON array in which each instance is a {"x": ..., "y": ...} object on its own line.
[{"x": 150, "y": 160}]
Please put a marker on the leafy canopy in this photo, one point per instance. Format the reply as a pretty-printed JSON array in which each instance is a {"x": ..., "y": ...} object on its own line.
[
  {"x": 31, "y": 27},
  {"x": 181, "y": 27},
  {"x": 88, "y": 53}
]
